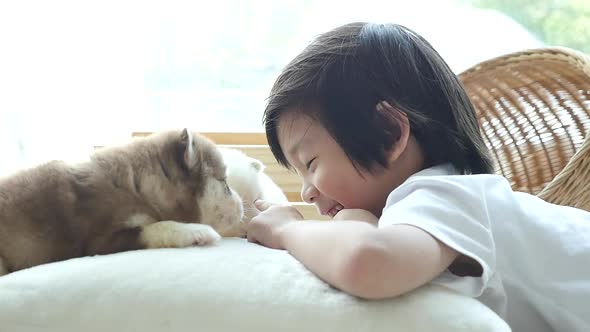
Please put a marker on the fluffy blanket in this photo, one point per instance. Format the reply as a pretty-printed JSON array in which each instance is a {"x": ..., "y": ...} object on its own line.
[{"x": 231, "y": 286}]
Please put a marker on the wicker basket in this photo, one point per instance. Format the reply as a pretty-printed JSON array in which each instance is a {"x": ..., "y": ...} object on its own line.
[{"x": 534, "y": 111}]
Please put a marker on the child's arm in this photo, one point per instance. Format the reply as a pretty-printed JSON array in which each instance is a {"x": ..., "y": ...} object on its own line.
[{"x": 355, "y": 256}]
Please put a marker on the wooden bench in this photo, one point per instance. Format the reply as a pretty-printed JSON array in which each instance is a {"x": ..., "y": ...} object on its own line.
[{"x": 256, "y": 146}]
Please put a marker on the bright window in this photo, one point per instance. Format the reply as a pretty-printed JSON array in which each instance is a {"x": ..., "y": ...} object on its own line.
[{"x": 74, "y": 74}]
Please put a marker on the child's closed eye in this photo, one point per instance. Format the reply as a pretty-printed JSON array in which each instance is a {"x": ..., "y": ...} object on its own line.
[{"x": 308, "y": 164}]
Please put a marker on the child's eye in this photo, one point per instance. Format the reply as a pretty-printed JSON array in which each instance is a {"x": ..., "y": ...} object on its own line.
[{"x": 308, "y": 165}]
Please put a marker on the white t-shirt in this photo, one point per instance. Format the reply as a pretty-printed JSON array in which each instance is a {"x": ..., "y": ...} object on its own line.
[{"x": 535, "y": 256}]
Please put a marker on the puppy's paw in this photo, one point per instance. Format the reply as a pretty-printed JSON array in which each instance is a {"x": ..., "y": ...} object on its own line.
[
  {"x": 172, "y": 234},
  {"x": 200, "y": 235}
]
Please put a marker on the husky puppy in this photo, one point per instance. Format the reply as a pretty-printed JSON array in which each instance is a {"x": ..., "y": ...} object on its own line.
[{"x": 166, "y": 190}]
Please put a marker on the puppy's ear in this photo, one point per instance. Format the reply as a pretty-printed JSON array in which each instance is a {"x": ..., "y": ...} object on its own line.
[
  {"x": 257, "y": 165},
  {"x": 190, "y": 155}
]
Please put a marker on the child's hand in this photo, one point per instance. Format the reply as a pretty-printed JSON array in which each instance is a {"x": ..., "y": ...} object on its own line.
[
  {"x": 357, "y": 215},
  {"x": 266, "y": 227}
]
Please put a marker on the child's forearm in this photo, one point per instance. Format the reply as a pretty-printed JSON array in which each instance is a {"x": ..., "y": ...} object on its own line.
[{"x": 342, "y": 253}]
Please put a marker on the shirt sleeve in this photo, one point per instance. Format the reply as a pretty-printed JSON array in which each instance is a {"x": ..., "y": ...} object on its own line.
[{"x": 455, "y": 213}]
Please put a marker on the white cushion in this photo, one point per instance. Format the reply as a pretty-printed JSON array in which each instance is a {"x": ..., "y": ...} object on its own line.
[{"x": 231, "y": 286}]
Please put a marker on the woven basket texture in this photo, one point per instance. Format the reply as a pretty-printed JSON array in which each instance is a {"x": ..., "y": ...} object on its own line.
[{"x": 534, "y": 111}]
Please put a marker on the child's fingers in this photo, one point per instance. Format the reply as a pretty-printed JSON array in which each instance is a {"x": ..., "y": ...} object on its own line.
[{"x": 262, "y": 205}]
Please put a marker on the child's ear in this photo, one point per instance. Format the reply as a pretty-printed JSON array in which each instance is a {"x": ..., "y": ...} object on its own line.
[
  {"x": 404, "y": 129},
  {"x": 190, "y": 156}
]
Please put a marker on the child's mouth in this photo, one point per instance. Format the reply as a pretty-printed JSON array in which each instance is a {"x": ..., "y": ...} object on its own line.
[{"x": 334, "y": 211}]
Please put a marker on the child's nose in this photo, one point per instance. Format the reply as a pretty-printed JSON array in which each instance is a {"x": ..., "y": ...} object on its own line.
[{"x": 309, "y": 193}]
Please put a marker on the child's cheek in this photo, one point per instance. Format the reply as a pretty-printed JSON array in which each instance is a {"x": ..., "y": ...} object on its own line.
[{"x": 332, "y": 185}]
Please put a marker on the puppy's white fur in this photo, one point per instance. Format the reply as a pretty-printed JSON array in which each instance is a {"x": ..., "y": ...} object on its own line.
[
  {"x": 246, "y": 176},
  {"x": 173, "y": 234}
]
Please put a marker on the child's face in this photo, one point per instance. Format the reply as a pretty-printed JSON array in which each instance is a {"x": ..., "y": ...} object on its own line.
[{"x": 330, "y": 180}]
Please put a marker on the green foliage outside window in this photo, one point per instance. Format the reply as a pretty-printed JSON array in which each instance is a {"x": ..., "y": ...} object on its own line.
[{"x": 555, "y": 22}]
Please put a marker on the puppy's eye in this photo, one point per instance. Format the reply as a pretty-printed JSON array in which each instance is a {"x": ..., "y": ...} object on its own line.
[{"x": 226, "y": 186}]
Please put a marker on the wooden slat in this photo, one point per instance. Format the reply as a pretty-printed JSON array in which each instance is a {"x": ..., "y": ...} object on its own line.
[
  {"x": 224, "y": 138},
  {"x": 293, "y": 196}
]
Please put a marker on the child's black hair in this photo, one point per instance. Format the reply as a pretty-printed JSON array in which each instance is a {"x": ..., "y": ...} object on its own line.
[{"x": 343, "y": 74}]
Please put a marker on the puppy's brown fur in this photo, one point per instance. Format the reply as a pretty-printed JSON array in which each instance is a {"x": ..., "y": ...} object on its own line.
[{"x": 166, "y": 190}]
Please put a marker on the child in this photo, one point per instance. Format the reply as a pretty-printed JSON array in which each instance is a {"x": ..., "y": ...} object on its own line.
[{"x": 387, "y": 143}]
